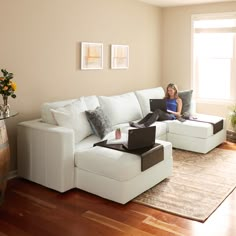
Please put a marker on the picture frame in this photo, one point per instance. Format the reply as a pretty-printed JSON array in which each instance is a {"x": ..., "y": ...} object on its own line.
[
  {"x": 91, "y": 56},
  {"x": 119, "y": 56}
]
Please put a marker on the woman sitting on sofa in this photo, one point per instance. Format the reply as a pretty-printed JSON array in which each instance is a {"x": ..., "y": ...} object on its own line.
[{"x": 173, "y": 105}]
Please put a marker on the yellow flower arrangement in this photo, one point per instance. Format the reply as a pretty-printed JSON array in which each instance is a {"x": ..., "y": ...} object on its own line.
[{"x": 7, "y": 86}]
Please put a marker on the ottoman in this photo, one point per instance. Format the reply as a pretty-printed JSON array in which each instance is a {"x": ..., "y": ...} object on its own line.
[
  {"x": 117, "y": 175},
  {"x": 194, "y": 135}
]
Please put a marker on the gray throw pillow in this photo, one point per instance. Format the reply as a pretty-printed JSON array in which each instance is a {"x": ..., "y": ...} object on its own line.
[
  {"x": 99, "y": 122},
  {"x": 186, "y": 97}
]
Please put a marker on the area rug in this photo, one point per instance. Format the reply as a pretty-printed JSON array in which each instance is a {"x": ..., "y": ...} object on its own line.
[{"x": 198, "y": 185}]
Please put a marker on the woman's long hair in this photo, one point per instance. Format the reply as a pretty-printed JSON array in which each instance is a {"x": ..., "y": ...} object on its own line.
[{"x": 173, "y": 86}]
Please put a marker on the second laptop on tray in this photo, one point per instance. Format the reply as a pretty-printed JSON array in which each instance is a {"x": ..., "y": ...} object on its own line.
[{"x": 141, "y": 138}]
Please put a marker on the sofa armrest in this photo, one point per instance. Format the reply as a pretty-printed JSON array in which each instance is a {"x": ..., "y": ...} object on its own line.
[{"x": 45, "y": 154}]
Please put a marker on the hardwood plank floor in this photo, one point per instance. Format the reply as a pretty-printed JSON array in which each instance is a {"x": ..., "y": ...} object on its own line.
[{"x": 30, "y": 209}]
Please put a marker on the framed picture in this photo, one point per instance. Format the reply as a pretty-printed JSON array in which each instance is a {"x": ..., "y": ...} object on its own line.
[
  {"x": 119, "y": 56},
  {"x": 91, "y": 56}
]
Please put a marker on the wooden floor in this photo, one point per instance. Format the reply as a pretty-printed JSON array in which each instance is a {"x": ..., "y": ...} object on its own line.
[{"x": 30, "y": 209}]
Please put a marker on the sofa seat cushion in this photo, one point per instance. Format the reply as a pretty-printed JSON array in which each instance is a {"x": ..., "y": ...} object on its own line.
[
  {"x": 161, "y": 128},
  {"x": 109, "y": 163},
  {"x": 87, "y": 143},
  {"x": 120, "y": 166},
  {"x": 191, "y": 128}
]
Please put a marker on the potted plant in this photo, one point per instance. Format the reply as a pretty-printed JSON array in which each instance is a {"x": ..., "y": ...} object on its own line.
[
  {"x": 232, "y": 117},
  {"x": 231, "y": 134}
]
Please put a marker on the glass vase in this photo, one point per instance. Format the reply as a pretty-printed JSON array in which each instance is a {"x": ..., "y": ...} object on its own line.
[{"x": 5, "y": 107}]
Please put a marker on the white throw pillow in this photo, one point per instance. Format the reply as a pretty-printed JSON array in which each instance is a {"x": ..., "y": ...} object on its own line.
[
  {"x": 121, "y": 108},
  {"x": 146, "y": 94},
  {"x": 73, "y": 116},
  {"x": 46, "y": 113}
]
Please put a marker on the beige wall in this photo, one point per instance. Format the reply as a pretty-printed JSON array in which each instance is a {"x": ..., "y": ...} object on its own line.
[
  {"x": 176, "y": 48},
  {"x": 40, "y": 44}
]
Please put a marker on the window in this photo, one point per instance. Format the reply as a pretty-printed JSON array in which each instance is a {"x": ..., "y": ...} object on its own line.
[{"x": 214, "y": 57}]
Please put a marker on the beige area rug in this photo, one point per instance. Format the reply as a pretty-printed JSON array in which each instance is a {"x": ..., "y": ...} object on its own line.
[{"x": 198, "y": 185}]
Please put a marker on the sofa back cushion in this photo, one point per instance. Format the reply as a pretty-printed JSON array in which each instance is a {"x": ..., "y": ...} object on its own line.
[
  {"x": 91, "y": 102},
  {"x": 121, "y": 108},
  {"x": 145, "y": 95}
]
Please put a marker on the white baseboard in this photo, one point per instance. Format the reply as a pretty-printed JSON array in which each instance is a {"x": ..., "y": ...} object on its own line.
[{"x": 12, "y": 174}]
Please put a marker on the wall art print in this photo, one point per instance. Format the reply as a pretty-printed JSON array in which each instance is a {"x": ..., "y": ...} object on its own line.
[
  {"x": 119, "y": 56},
  {"x": 91, "y": 56}
]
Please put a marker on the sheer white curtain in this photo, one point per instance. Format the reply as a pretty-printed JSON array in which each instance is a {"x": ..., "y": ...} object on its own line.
[{"x": 214, "y": 57}]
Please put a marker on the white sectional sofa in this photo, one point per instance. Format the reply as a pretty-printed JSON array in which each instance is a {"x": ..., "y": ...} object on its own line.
[{"x": 57, "y": 150}]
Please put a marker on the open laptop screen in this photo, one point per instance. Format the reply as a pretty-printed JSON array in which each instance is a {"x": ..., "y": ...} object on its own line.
[
  {"x": 140, "y": 138},
  {"x": 158, "y": 104}
]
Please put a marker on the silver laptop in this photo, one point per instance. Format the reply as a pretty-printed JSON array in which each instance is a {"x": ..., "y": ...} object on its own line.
[
  {"x": 158, "y": 104},
  {"x": 141, "y": 138}
]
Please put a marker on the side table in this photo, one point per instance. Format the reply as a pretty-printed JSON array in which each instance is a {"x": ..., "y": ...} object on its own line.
[{"x": 4, "y": 154}]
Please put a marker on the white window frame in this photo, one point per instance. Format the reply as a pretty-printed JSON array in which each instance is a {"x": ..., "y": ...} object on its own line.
[{"x": 212, "y": 16}]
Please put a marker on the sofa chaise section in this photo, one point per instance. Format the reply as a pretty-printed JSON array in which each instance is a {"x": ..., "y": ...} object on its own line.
[
  {"x": 47, "y": 156},
  {"x": 117, "y": 175}
]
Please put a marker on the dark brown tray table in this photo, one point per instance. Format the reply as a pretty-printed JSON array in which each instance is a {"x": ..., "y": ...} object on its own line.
[{"x": 149, "y": 156}]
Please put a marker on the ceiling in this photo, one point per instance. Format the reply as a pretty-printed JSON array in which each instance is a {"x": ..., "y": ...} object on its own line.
[{"x": 172, "y": 3}]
